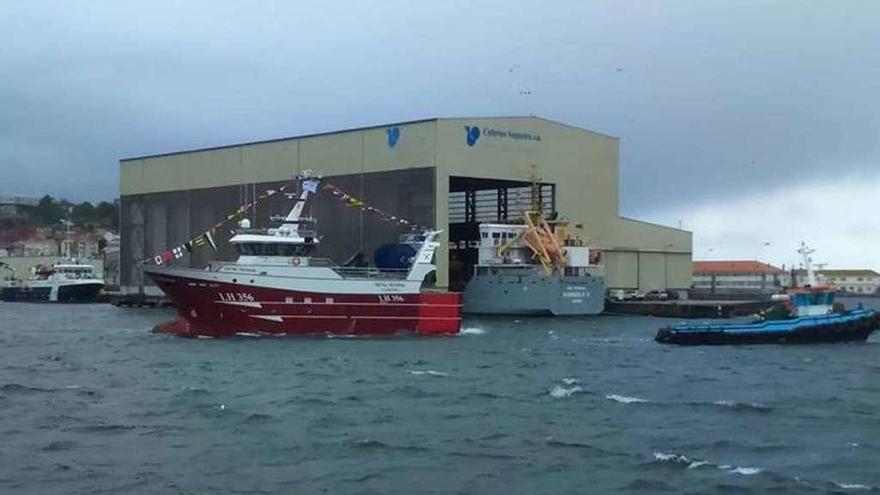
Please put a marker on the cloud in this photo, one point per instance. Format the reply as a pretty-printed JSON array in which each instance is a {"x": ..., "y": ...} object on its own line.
[
  {"x": 837, "y": 217},
  {"x": 710, "y": 99}
]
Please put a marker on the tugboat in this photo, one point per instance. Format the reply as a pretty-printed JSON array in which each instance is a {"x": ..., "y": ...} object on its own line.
[
  {"x": 277, "y": 287},
  {"x": 802, "y": 315},
  {"x": 534, "y": 268}
]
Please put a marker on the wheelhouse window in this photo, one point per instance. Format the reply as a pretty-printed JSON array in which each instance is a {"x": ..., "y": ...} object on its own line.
[{"x": 272, "y": 249}]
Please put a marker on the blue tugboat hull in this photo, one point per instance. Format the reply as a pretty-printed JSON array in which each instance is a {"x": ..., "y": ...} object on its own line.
[{"x": 850, "y": 326}]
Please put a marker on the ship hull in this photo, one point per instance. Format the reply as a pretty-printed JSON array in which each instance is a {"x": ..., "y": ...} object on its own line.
[
  {"x": 221, "y": 309},
  {"x": 65, "y": 293},
  {"x": 852, "y": 326},
  {"x": 530, "y": 292}
]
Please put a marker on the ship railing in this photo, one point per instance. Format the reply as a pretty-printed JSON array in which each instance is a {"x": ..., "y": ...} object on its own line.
[
  {"x": 371, "y": 272},
  {"x": 344, "y": 271}
]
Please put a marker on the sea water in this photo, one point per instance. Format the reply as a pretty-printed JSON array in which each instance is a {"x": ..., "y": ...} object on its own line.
[{"x": 92, "y": 402}]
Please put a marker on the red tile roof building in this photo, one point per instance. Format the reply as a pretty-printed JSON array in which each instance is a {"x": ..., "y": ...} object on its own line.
[
  {"x": 737, "y": 276},
  {"x": 734, "y": 267}
]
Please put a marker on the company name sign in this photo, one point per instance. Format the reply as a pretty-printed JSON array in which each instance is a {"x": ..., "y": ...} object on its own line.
[
  {"x": 516, "y": 135},
  {"x": 473, "y": 134}
]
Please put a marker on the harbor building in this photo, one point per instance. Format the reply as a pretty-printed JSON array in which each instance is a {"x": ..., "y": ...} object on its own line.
[
  {"x": 747, "y": 278},
  {"x": 448, "y": 173},
  {"x": 854, "y": 281}
]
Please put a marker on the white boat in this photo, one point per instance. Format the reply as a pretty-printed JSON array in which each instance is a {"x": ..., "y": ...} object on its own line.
[{"x": 69, "y": 281}]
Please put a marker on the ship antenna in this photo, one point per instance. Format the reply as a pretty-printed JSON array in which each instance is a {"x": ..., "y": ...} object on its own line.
[{"x": 805, "y": 252}]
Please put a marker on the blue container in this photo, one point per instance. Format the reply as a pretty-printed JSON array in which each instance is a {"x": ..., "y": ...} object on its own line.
[{"x": 395, "y": 256}]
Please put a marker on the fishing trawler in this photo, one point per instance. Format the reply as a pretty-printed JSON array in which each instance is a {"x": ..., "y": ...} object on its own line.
[
  {"x": 534, "y": 268},
  {"x": 802, "y": 315},
  {"x": 69, "y": 281},
  {"x": 277, "y": 287}
]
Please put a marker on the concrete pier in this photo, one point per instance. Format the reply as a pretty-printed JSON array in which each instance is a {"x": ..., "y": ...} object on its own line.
[{"x": 687, "y": 308}]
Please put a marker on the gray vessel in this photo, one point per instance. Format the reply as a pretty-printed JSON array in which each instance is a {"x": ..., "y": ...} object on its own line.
[{"x": 534, "y": 269}]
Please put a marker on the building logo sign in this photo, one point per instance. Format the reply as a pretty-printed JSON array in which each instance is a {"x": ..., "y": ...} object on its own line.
[
  {"x": 473, "y": 133},
  {"x": 393, "y": 136}
]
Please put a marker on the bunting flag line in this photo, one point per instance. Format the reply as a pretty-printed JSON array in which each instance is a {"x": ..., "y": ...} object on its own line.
[
  {"x": 353, "y": 202},
  {"x": 310, "y": 185},
  {"x": 207, "y": 237}
]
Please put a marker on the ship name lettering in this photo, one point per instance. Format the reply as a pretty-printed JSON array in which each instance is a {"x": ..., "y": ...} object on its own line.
[
  {"x": 385, "y": 298},
  {"x": 236, "y": 296}
]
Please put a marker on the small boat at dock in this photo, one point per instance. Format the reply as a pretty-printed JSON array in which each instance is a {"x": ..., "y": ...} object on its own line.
[{"x": 801, "y": 316}]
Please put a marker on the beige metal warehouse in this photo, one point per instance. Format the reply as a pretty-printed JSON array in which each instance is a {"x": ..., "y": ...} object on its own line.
[{"x": 422, "y": 169}]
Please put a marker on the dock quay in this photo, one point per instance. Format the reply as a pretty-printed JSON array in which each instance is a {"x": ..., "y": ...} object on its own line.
[
  {"x": 139, "y": 301},
  {"x": 687, "y": 308}
]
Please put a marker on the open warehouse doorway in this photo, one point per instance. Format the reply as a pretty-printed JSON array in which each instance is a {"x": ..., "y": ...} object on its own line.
[{"x": 473, "y": 201}]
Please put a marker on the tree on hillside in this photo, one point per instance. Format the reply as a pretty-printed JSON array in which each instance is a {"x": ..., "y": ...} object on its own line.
[
  {"x": 107, "y": 214},
  {"x": 83, "y": 213},
  {"x": 48, "y": 211}
]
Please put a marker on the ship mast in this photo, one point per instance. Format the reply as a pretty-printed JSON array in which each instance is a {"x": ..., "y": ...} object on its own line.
[
  {"x": 66, "y": 238},
  {"x": 309, "y": 184},
  {"x": 805, "y": 252}
]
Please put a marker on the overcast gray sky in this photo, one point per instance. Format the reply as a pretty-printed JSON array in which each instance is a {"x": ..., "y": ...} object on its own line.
[{"x": 713, "y": 101}]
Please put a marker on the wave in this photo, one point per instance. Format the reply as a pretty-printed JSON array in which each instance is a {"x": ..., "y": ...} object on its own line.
[
  {"x": 105, "y": 428},
  {"x": 624, "y": 399},
  {"x": 472, "y": 331},
  {"x": 690, "y": 463},
  {"x": 743, "y": 406},
  {"x": 569, "y": 381},
  {"x": 59, "y": 445},
  {"x": 489, "y": 395},
  {"x": 258, "y": 417},
  {"x": 23, "y": 389},
  {"x": 369, "y": 444},
  {"x": 560, "y": 392},
  {"x": 428, "y": 373},
  {"x": 852, "y": 486},
  {"x": 745, "y": 471}
]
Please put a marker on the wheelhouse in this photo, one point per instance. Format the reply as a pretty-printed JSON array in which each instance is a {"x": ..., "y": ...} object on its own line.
[{"x": 273, "y": 249}]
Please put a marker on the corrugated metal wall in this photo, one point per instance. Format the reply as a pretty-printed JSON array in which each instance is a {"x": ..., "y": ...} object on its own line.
[{"x": 152, "y": 223}]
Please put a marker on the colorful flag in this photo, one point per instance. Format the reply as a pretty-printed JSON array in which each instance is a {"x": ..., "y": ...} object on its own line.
[
  {"x": 310, "y": 185},
  {"x": 211, "y": 240}
]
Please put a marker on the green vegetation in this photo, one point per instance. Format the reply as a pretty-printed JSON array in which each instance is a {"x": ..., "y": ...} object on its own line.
[{"x": 49, "y": 212}]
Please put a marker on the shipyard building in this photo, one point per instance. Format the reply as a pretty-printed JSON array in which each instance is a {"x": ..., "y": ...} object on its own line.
[{"x": 446, "y": 173}]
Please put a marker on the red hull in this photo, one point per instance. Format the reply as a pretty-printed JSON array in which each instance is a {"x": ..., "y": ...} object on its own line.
[{"x": 222, "y": 309}]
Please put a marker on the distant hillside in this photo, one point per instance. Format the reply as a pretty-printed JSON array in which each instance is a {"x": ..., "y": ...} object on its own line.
[{"x": 50, "y": 212}]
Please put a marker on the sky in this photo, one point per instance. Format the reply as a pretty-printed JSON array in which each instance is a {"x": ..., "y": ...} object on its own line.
[{"x": 728, "y": 112}]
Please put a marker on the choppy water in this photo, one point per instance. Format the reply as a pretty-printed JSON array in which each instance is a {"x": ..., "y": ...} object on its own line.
[{"x": 90, "y": 402}]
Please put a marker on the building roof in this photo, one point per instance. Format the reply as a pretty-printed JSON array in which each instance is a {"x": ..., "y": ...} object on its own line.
[
  {"x": 849, "y": 273},
  {"x": 357, "y": 129},
  {"x": 734, "y": 267}
]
